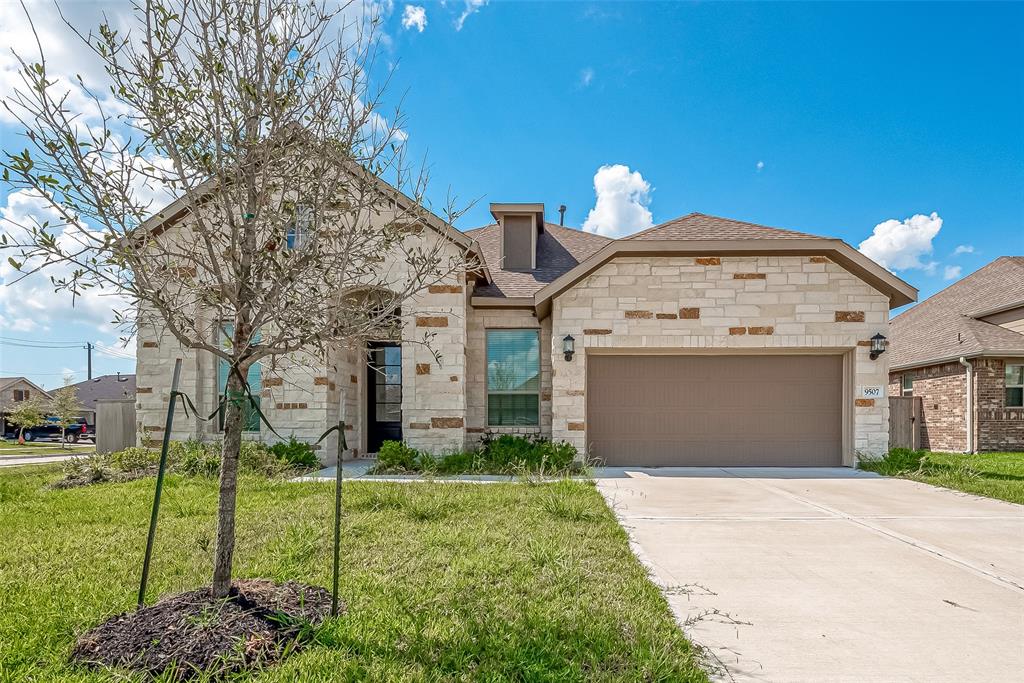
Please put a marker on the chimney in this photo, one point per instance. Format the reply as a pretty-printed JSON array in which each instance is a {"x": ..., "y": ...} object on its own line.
[
  {"x": 520, "y": 225},
  {"x": 561, "y": 215}
]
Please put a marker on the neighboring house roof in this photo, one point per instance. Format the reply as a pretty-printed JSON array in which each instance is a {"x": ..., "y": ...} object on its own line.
[
  {"x": 559, "y": 250},
  {"x": 6, "y": 382},
  {"x": 700, "y": 226},
  {"x": 105, "y": 387},
  {"x": 946, "y": 326}
]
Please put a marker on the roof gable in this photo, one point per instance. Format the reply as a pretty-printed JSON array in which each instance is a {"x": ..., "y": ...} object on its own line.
[
  {"x": 700, "y": 226},
  {"x": 946, "y": 326}
]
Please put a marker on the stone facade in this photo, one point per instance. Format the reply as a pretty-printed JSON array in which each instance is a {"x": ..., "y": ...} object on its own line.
[
  {"x": 673, "y": 304},
  {"x": 302, "y": 396},
  {"x": 787, "y": 303},
  {"x": 943, "y": 390}
]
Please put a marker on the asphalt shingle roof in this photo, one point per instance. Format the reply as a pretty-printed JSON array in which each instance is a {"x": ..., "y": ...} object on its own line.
[
  {"x": 105, "y": 387},
  {"x": 559, "y": 250},
  {"x": 700, "y": 226},
  {"x": 941, "y": 327}
]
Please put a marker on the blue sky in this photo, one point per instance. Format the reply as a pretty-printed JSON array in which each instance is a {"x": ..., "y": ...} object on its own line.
[{"x": 827, "y": 118}]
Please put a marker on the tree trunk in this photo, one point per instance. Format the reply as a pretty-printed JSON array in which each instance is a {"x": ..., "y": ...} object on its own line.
[
  {"x": 63, "y": 437},
  {"x": 225, "y": 550}
]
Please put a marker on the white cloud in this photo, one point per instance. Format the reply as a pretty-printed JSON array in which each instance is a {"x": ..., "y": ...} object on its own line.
[
  {"x": 900, "y": 245},
  {"x": 963, "y": 249},
  {"x": 66, "y": 56},
  {"x": 470, "y": 7},
  {"x": 586, "y": 77},
  {"x": 760, "y": 166},
  {"x": 30, "y": 304},
  {"x": 414, "y": 16},
  {"x": 621, "y": 206},
  {"x": 951, "y": 272}
]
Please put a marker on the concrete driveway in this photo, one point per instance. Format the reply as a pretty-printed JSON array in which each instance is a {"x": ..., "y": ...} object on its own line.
[{"x": 841, "y": 575}]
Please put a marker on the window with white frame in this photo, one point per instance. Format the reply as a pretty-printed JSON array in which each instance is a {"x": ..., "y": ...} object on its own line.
[
  {"x": 1014, "y": 386},
  {"x": 301, "y": 229},
  {"x": 513, "y": 378},
  {"x": 907, "y": 384}
]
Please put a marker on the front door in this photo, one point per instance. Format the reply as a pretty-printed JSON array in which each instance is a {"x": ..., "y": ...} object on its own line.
[{"x": 384, "y": 395}]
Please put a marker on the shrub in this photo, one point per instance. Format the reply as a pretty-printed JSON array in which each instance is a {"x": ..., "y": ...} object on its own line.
[
  {"x": 395, "y": 456},
  {"x": 256, "y": 456},
  {"x": 133, "y": 459},
  {"x": 498, "y": 454},
  {"x": 195, "y": 458},
  {"x": 296, "y": 453},
  {"x": 513, "y": 452},
  {"x": 458, "y": 463}
]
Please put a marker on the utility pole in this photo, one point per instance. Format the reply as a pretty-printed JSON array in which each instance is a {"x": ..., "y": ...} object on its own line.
[{"x": 88, "y": 354}]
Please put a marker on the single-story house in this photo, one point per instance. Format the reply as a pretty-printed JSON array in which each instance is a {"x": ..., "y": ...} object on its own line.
[
  {"x": 14, "y": 390},
  {"x": 701, "y": 341},
  {"x": 962, "y": 352},
  {"x": 103, "y": 388}
]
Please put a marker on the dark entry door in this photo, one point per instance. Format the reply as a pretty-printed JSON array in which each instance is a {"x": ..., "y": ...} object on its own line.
[{"x": 384, "y": 395}]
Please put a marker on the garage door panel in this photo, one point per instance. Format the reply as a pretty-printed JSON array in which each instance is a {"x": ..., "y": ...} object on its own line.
[{"x": 770, "y": 410}]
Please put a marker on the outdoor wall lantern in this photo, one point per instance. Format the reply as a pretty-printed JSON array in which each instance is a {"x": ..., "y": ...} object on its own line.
[
  {"x": 568, "y": 347},
  {"x": 878, "y": 344}
]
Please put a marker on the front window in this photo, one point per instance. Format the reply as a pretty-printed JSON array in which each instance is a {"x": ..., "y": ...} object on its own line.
[
  {"x": 513, "y": 378},
  {"x": 21, "y": 394},
  {"x": 301, "y": 229},
  {"x": 907, "y": 385},
  {"x": 250, "y": 418},
  {"x": 1015, "y": 386}
]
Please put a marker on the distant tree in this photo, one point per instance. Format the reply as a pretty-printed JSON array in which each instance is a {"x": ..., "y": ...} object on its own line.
[
  {"x": 66, "y": 407},
  {"x": 26, "y": 415}
]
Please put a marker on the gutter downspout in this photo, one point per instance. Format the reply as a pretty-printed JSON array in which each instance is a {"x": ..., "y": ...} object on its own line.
[{"x": 969, "y": 414}]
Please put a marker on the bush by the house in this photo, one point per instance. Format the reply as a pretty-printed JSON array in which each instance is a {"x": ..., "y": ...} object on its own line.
[
  {"x": 497, "y": 454},
  {"x": 190, "y": 458},
  {"x": 296, "y": 453}
]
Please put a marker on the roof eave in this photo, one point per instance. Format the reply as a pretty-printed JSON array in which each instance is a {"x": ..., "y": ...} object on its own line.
[{"x": 950, "y": 359}]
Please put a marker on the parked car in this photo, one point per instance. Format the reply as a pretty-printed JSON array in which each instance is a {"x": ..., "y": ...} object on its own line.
[{"x": 79, "y": 430}]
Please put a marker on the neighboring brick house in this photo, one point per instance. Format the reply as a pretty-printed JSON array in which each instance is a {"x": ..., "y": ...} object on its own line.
[
  {"x": 702, "y": 341},
  {"x": 973, "y": 328}
]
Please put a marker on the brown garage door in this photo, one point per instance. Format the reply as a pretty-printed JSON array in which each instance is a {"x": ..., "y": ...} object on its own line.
[{"x": 707, "y": 411}]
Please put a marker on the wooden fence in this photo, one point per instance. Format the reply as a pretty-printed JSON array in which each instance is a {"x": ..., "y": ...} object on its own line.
[
  {"x": 905, "y": 422},
  {"x": 115, "y": 424}
]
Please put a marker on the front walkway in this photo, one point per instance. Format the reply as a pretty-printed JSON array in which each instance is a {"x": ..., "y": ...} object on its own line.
[{"x": 842, "y": 575}]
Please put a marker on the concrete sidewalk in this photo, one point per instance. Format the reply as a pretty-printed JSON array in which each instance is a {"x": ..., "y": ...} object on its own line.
[{"x": 842, "y": 575}]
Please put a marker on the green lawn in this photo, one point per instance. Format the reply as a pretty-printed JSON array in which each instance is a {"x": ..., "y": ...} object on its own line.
[
  {"x": 996, "y": 475},
  {"x": 444, "y": 582}
]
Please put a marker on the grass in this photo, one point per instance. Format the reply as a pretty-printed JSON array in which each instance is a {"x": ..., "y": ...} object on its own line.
[
  {"x": 444, "y": 582},
  {"x": 996, "y": 475},
  {"x": 12, "y": 448}
]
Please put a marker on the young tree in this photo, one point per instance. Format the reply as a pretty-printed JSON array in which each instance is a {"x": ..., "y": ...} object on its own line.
[
  {"x": 260, "y": 117},
  {"x": 26, "y": 415},
  {"x": 66, "y": 407}
]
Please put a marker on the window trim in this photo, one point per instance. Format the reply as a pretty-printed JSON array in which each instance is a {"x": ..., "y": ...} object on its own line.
[
  {"x": 904, "y": 391},
  {"x": 1007, "y": 386},
  {"x": 487, "y": 378},
  {"x": 300, "y": 230}
]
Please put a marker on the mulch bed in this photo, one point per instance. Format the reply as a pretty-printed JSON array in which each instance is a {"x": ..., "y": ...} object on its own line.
[{"x": 186, "y": 635}]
